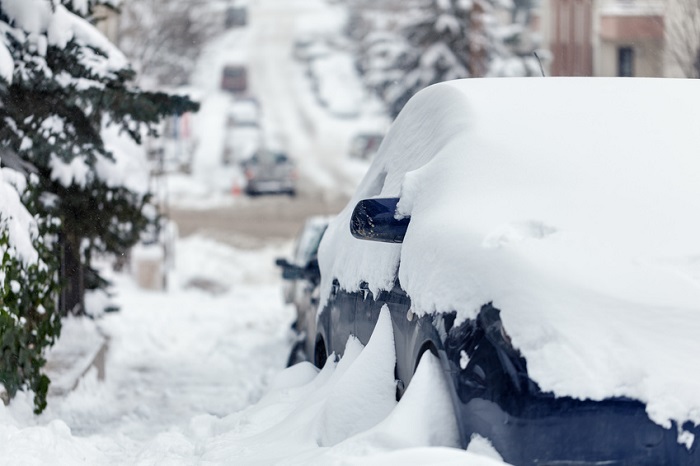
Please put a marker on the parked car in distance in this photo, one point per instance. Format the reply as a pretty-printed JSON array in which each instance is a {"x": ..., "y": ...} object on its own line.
[
  {"x": 310, "y": 47},
  {"x": 330, "y": 73},
  {"x": 234, "y": 78},
  {"x": 364, "y": 145},
  {"x": 269, "y": 172},
  {"x": 236, "y": 16},
  {"x": 301, "y": 280},
  {"x": 540, "y": 238},
  {"x": 243, "y": 136},
  {"x": 241, "y": 143},
  {"x": 244, "y": 111}
]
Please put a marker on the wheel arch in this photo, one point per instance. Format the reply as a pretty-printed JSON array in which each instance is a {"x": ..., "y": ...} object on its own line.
[{"x": 320, "y": 355}]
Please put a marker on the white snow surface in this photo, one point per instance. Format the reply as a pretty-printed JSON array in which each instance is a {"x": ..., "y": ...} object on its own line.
[
  {"x": 7, "y": 64},
  {"x": 571, "y": 204},
  {"x": 198, "y": 378},
  {"x": 128, "y": 166},
  {"x": 38, "y": 17},
  {"x": 20, "y": 225}
]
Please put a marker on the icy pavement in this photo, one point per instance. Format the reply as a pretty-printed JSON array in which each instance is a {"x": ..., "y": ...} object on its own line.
[{"x": 195, "y": 377}]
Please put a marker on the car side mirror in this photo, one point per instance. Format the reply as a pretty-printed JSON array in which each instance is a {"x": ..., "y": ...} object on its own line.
[
  {"x": 281, "y": 262},
  {"x": 375, "y": 220},
  {"x": 289, "y": 271}
]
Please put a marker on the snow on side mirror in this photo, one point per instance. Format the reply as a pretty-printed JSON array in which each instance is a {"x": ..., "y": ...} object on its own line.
[{"x": 375, "y": 220}]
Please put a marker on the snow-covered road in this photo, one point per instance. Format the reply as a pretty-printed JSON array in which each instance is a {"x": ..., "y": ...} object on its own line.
[{"x": 292, "y": 119}]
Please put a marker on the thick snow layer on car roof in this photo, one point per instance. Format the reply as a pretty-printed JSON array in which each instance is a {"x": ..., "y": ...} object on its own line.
[{"x": 572, "y": 205}]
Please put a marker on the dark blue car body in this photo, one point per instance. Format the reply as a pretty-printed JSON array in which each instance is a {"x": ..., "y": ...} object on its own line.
[{"x": 492, "y": 394}]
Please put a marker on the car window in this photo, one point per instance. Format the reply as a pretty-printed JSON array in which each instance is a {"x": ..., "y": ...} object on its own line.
[{"x": 309, "y": 241}]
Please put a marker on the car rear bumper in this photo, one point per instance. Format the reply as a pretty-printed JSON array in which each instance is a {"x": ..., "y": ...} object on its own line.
[
  {"x": 270, "y": 186},
  {"x": 567, "y": 432}
]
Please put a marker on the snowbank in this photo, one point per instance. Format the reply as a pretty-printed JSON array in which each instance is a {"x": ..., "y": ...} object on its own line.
[{"x": 196, "y": 378}]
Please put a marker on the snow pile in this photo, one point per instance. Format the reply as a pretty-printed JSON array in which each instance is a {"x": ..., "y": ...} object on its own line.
[
  {"x": 568, "y": 203},
  {"x": 79, "y": 343},
  {"x": 346, "y": 414},
  {"x": 194, "y": 377},
  {"x": 50, "y": 444},
  {"x": 357, "y": 406}
]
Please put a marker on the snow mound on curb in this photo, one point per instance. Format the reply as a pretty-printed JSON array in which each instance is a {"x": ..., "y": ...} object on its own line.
[
  {"x": 367, "y": 392},
  {"x": 346, "y": 414},
  {"x": 426, "y": 405}
]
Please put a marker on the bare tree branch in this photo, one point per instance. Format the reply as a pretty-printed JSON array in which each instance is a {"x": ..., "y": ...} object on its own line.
[{"x": 682, "y": 20}]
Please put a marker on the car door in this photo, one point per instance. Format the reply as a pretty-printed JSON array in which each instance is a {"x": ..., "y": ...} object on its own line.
[
  {"x": 340, "y": 314},
  {"x": 367, "y": 309}
]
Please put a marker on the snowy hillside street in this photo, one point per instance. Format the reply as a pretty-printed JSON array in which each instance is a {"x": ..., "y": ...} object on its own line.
[
  {"x": 349, "y": 233},
  {"x": 291, "y": 119}
]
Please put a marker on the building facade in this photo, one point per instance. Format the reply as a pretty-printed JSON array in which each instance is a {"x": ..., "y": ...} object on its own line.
[{"x": 607, "y": 37}]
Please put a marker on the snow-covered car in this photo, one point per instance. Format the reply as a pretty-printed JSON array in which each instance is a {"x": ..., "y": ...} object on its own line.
[
  {"x": 241, "y": 142},
  {"x": 236, "y": 16},
  {"x": 540, "y": 238},
  {"x": 234, "y": 78},
  {"x": 337, "y": 85},
  {"x": 310, "y": 47},
  {"x": 244, "y": 111},
  {"x": 269, "y": 172},
  {"x": 365, "y": 145},
  {"x": 301, "y": 280}
]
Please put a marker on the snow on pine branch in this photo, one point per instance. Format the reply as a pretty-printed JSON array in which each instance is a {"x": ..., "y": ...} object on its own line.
[
  {"x": 53, "y": 25},
  {"x": 83, "y": 7},
  {"x": 14, "y": 217},
  {"x": 7, "y": 66}
]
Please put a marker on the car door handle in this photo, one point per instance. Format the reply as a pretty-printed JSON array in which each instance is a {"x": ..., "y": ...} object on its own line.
[{"x": 364, "y": 287}]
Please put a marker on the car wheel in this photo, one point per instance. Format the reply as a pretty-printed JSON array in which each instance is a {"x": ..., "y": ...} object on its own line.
[
  {"x": 320, "y": 354},
  {"x": 428, "y": 346},
  {"x": 296, "y": 355},
  {"x": 400, "y": 386}
]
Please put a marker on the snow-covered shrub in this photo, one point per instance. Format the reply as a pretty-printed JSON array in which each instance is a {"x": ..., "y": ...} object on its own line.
[{"x": 29, "y": 322}]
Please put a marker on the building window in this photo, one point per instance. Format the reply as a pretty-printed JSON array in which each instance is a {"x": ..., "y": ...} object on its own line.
[{"x": 625, "y": 61}]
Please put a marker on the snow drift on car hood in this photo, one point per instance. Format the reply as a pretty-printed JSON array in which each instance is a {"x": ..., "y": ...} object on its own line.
[{"x": 571, "y": 204}]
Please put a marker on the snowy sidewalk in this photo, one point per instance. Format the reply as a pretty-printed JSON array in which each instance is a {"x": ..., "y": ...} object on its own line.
[{"x": 81, "y": 347}]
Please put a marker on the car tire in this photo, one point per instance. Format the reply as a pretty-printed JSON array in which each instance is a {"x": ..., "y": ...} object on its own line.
[
  {"x": 296, "y": 354},
  {"x": 320, "y": 353},
  {"x": 428, "y": 346}
]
